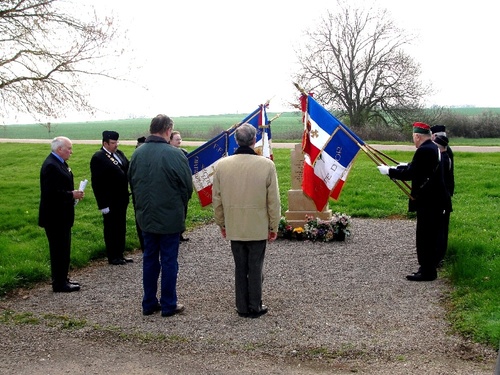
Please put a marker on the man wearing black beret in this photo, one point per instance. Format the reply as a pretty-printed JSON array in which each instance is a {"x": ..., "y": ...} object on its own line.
[
  {"x": 109, "y": 167},
  {"x": 440, "y": 130}
]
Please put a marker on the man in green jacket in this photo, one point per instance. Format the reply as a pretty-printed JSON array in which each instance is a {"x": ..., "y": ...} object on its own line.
[
  {"x": 247, "y": 208},
  {"x": 161, "y": 184}
]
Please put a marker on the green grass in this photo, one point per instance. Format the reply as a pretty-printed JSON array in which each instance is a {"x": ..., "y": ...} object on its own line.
[
  {"x": 288, "y": 126},
  {"x": 473, "y": 262}
]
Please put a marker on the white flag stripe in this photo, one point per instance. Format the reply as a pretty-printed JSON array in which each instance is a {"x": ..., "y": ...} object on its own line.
[
  {"x": 318, "y": 136},
  {"x": 265, "y": 143},
  {"x": 328, "y": 169},
  {"x": 204, "y": 178}
]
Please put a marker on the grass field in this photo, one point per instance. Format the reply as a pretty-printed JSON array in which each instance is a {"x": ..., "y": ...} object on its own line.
[
  {"x": 473, "y": 262},
  {"x": 286, "y": 128}
]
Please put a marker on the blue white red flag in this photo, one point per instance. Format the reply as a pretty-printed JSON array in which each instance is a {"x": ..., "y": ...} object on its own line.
[
  {"x": 319, "y": 126},
  {"x": 329, "y": 150},
  {"x": 202, "y": 162},
  {"x": 260, "y": 121}
]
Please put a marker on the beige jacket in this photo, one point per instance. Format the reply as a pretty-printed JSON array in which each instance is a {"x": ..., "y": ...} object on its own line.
[{"x": 245, "y": 197}]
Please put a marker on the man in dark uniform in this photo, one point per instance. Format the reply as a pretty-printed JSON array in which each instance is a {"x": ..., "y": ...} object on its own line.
[
  {"x": 429, "y": 198},
  {"x": 140, "y": 142},
  {"x": 439, "y": 137},
  {"x": 109, "y": 167},
  {"x": 440, "y": 130},
  {"x": 449, "y": 181},
  {"x": 57, "y": 211}
]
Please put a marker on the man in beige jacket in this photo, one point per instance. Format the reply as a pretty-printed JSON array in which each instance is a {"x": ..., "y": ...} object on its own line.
[{"x": 247, "y": 208}]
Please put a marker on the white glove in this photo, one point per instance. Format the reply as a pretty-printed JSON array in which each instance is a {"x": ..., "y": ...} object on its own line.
[
  {"x": 105, "y": 211},
  {"x": 402, "y": 164},
  {"x": 384, "y": 169}
]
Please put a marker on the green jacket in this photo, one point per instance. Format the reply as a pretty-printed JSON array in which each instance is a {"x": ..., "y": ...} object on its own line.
[{"x": 161, "y": 184}]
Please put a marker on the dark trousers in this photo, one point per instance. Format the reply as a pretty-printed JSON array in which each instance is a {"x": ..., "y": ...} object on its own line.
[
  {"x": 115, "y": 231},
  {"x": 248, "y": 274},
  {"x": 443, "y": 238},
  {"x": 430, "y": 224},
  {"x": 59, "y": 247}
]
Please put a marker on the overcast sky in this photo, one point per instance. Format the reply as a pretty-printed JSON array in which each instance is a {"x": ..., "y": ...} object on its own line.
[{"x": 214, "y": 57}]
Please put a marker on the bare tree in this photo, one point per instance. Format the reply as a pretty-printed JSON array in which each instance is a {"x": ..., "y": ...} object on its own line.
[
  {"x": 49, "y": 126},
  {"x": 354, "y": 63},
  {"x": 45, "y": 51}
]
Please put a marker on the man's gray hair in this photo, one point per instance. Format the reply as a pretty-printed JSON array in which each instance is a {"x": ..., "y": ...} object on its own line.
[
  {"x": 58, "y": 142},
  {"x": 245, "y": 134}
]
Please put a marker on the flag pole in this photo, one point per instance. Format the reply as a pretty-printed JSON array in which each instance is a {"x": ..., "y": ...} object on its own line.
[
  {"x": 389, "y": 158},
  {"x": 251, "y": 118}
]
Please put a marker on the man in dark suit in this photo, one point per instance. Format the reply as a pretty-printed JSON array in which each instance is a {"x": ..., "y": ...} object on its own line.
[
  {"x": 429, "y": 199},
  {"x": 449, "y": 181},
  {"x": 57, "y": 211},
  {"x": 109, "y": 167}
]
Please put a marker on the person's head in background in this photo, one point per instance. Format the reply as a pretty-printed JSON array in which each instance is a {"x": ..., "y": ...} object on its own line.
[
  {"x": 175, "y": 138},
  {"x": 140, "y": 141}
]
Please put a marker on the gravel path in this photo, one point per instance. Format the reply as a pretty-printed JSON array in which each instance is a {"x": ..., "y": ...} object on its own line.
[{"x": 336, "y": 308}]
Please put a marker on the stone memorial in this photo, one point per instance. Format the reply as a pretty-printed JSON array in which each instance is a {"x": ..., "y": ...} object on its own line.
[{"x": 299, "y": 204}]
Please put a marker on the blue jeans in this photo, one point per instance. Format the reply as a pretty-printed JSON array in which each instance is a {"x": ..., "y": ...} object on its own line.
[{"x": 160, "y": 254}]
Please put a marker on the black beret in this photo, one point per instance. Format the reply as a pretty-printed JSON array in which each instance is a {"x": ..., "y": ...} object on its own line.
[
  {"x": 438, "y": 129},
  {"x": 110, "y": 134},
  {"x": 441, "y": 140},
  {"x": 141, "y": 139}
]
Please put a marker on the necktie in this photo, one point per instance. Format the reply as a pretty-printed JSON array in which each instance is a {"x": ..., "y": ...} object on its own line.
[{"x": 117, "y": 158}]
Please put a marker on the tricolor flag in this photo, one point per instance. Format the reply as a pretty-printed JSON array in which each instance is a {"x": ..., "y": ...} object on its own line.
[
  {"x": 329, "y": 150},
  {"x": 340, "y": 184},
  {"x": 202, "y": 162},
  {"x": 319, "y": 126},
  {"x": 260, "y": 121}
]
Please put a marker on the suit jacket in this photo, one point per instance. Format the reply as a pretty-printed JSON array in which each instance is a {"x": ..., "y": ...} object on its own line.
[
  {"x": 245, "y": 196},
  {"x": 109, "y": 179},
  {"x": 427, "y": 183},
  {"x": 57, "y": 206}
]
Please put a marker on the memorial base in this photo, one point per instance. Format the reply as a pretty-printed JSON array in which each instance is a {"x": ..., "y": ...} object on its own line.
[{"x": 301, "y": 205}]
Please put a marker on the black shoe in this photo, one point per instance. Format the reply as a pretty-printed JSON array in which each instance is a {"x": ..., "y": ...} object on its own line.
[
  {"x": 183, "y": 239},
  {"x": 178, "y": 309},
  {"x": 117, "y": 261},
  {"x": 421, "y": 277},
  {"x": 128, "y": 260},
  {"x": 255, "y": 314},
  {"x": 152, "y": 311},
  {"x": 67, "y": 288}
]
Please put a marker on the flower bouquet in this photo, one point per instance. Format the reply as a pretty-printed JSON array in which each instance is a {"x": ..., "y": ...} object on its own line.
[{"x": 315, "y": 229}]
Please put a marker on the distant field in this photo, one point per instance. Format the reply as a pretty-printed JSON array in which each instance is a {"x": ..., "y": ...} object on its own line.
[{"x": 287, "y": 126}]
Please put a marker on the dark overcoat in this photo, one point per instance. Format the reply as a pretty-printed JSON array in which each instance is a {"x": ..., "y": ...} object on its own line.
[{"x": 57, "y": 206}]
